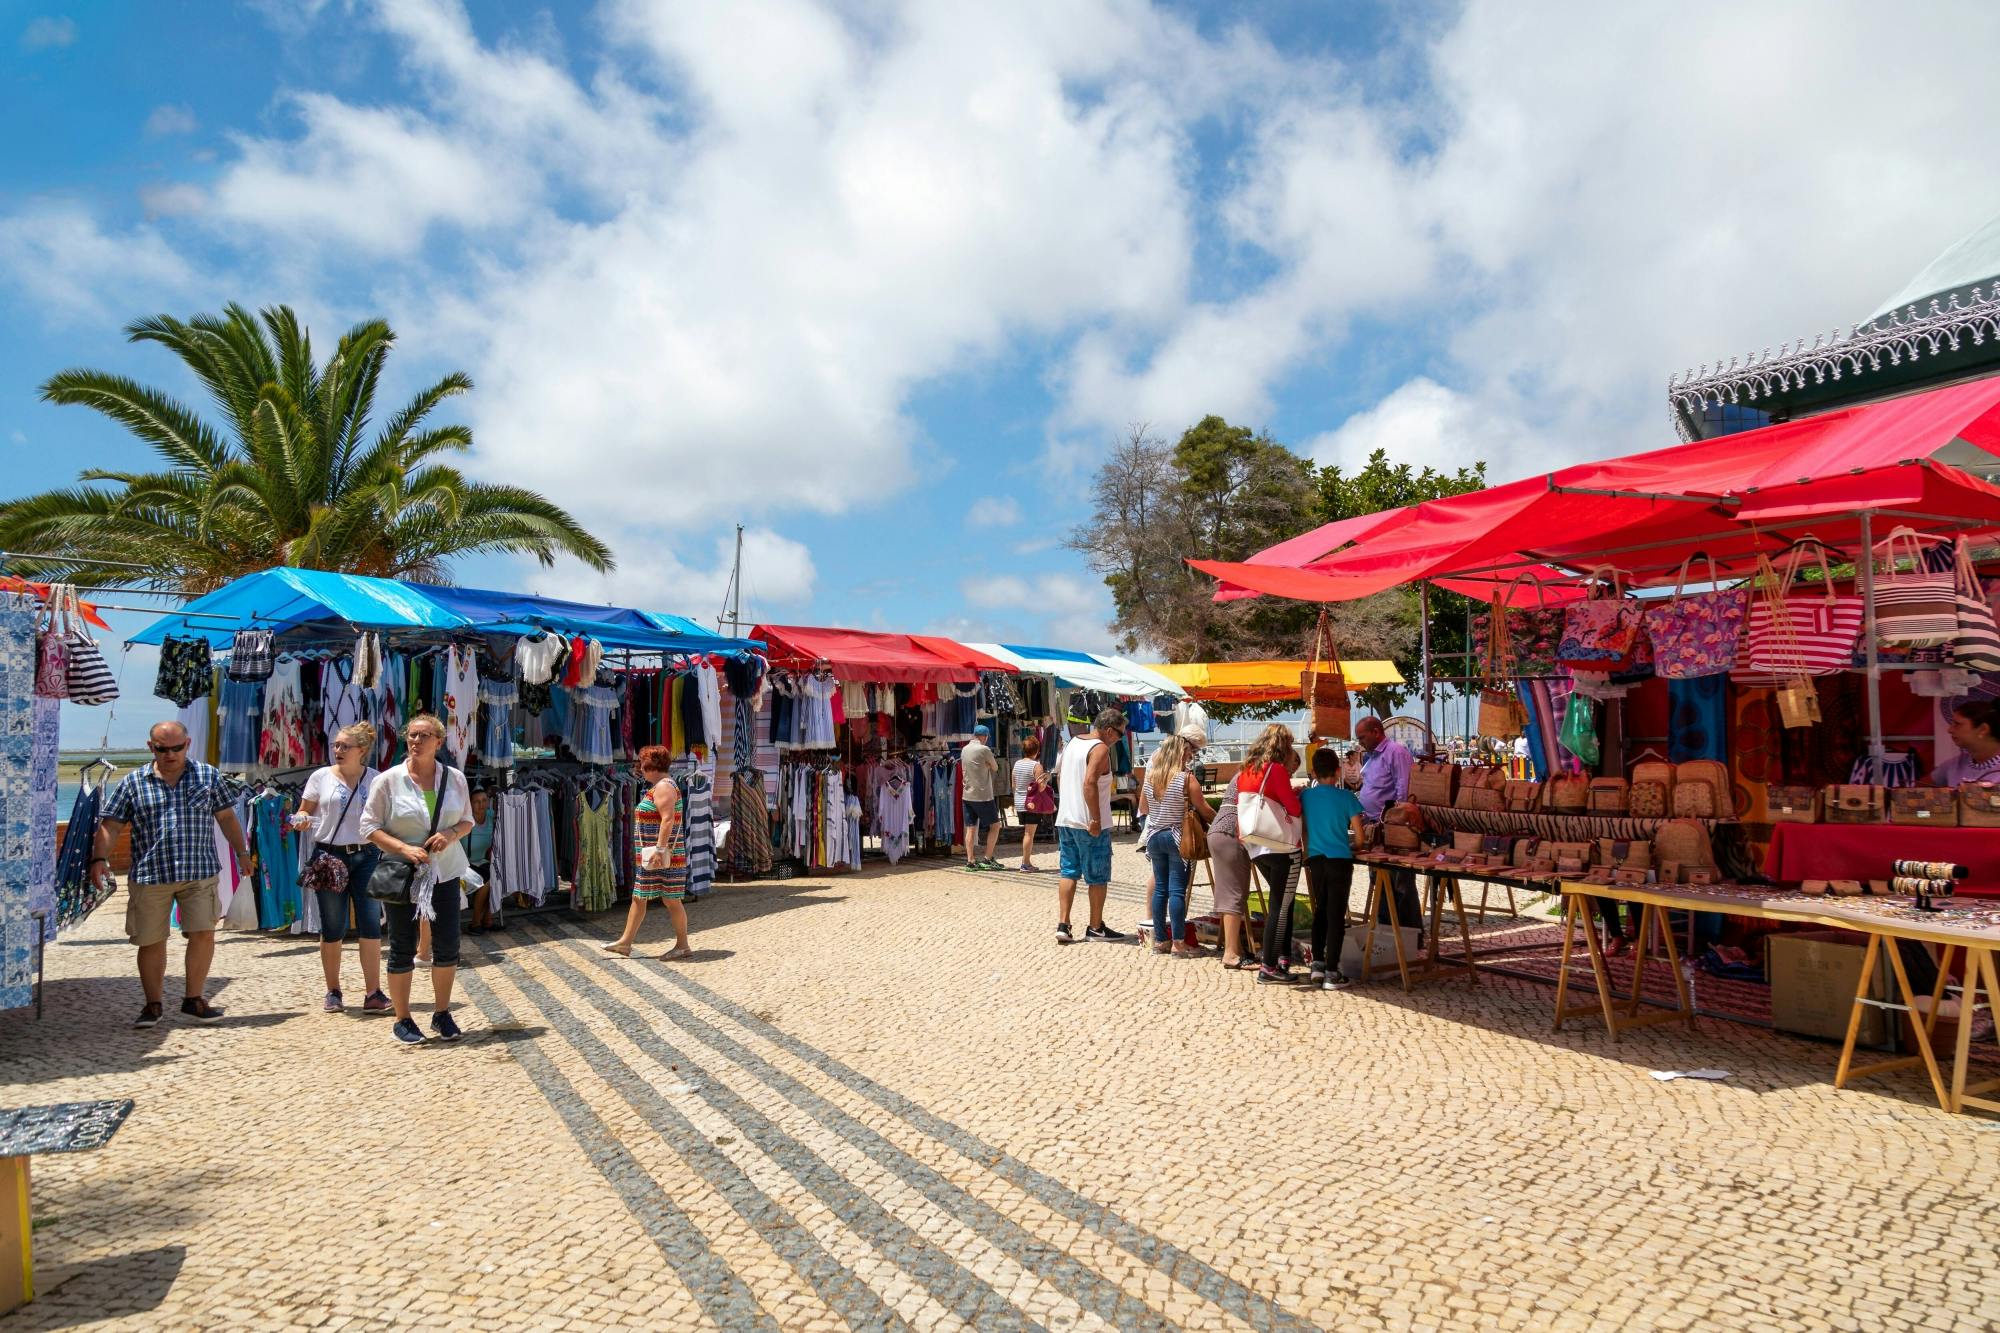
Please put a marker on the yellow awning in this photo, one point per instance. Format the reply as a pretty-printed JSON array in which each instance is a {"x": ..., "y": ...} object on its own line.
[{"x": 1261, "y": 682}]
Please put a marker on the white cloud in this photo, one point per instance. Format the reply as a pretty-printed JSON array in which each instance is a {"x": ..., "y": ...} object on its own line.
[
  {"x": 1425, "y": 424},
  {"x": 44, "y": 33},
  {"x": 778, "y": 572},
  {"x": 993, "y": 512},
  {"x": 162, "y": 201},
  {"x": 170, "y": 119},
  {"x": 56, "y": 254},
  {"x": 1052, "y": 594},
  {"x": 17, "y": 437}
]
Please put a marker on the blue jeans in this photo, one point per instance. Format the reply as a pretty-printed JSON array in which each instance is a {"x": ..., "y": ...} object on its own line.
[
  {"x": 367, "y": 911},
  {"x": 1083, "y": 858},
  {"x": 1170, "y": 885}
]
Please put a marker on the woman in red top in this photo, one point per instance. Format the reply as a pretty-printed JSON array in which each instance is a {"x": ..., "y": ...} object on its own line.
[{"x": 1267, "y": 769}]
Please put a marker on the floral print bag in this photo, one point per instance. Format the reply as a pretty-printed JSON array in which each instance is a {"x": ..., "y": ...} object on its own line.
[
  {"x": 1697, "y": 634},
  {"x": 1603, "y": 632},
  {"x": 1533, "y": 632}
]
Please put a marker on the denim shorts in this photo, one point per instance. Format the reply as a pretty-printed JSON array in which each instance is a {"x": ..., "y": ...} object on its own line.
[{"x": 1084, "y": 858}]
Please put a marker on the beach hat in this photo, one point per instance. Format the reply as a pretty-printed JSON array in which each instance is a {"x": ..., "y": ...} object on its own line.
[{"x": 1193, "y": 734}]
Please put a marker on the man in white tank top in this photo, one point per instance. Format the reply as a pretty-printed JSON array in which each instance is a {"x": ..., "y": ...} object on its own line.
[{"x": 1083, "y": 824}]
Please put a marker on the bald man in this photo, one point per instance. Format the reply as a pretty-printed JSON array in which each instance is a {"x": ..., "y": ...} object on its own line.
[{"x": 173, "y": 805}]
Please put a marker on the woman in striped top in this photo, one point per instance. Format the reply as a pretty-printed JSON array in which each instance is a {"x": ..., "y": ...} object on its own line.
[{"x": 1170, "y": 788}]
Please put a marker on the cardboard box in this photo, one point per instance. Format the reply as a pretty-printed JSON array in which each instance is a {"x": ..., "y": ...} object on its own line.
[{"x": 1813, "y": 975}]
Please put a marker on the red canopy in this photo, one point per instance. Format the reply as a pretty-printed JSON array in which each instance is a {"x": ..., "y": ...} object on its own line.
[
  {"x": 959, "y": 654},
  {"x": 1730, "y": 497},
  {"x": 860, "y": 655}
]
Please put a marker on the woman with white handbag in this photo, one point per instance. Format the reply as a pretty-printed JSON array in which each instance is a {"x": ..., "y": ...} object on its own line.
[{"x": 1268, "y": 817}]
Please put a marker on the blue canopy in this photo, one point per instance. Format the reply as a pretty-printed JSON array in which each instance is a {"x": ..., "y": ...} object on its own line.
[{"x": 282, "y": 599}]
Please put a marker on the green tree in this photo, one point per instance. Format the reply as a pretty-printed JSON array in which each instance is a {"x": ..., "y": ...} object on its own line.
[
  {"x": 1376, "y": 486},
  {"x": 292, "y": 475}
]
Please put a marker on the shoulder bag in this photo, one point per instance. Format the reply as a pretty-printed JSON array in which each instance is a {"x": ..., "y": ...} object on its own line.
[
  {"x": 89, "y": 679},
  {"x": 391, "y": 881},
  {"x": 1918, "y": 609},
  {"x": 1262, "y": 822},
  {"x": 1041, "y": 798},
  {"x": 1194, "y": 832},
  {"x": 1696, "y": 634},
  {"x": 1977, "y": 647},
  {"x": 1601, "y": 633},
  {"x": 52, "y": 649}
]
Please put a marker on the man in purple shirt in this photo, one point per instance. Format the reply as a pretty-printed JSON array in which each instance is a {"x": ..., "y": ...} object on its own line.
[
  {"x": 1385, "y": 780},
  {"x": 1385, "y": 768}
]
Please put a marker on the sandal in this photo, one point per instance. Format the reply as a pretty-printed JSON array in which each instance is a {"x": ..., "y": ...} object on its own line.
[
  {"x": 1243, "y": 964},
  {"x": 675, "y": 955},
  {"x": 622, "y": 950}
]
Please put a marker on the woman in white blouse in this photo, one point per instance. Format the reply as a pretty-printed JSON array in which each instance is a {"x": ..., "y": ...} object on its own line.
[
  {"x": 334, "y": 801},
  {"x": 398, "y": 820}
]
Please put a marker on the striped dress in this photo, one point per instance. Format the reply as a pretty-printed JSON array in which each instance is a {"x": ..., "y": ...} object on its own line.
[{"x": 668, "y": 879}]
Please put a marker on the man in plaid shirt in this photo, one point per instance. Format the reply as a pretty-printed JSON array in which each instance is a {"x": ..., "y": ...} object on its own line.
[{"x": 173, "y": 806}]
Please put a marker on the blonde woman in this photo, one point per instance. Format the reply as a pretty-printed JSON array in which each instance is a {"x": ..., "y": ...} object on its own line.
[
  {"x": 421, "y": 811},
  {"x": 332, "y": 806},
  {"x": 1170, "y": 790}
]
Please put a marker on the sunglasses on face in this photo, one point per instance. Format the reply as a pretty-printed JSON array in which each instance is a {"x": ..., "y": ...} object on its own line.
[{"x": 166, "y": 749}]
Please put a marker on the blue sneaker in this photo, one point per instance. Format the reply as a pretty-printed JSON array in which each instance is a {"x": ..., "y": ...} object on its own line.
[
  {"x": 407, "y": 1032},
  {"x": 446, "y": 1027}
]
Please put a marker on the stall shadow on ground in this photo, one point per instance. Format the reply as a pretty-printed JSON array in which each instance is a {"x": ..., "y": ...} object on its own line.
[
  {"x": 120, "y": 1286},
  {"x": 33, "y": 1050}
]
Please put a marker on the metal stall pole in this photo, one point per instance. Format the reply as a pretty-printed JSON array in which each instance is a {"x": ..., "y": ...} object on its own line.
[
  {"x": 1424, "y": 611},
  {"x": 1866, "y": 577}
]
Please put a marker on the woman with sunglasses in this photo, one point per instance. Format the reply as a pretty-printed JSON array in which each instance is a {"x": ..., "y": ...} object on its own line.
[
  {"x": 405, "y": 804},
  {"x": 332, "y": 806}
]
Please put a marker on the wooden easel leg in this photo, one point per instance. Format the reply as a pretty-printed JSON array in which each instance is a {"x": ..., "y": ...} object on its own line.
[
  {"x": 1868, "y": 958},
  {"x": 1604, "y": 996},
  {"x": 1396, "y": 935},
  {"x": 1562, "y": 968},
  {"x": 1486, "y": 887},
  {"x": 1918, "y": 1030},
  {"x": 1976, "y": 961},
  {"x": 1674, "y": 966},
  {"x": 1369, "y": 907},
  {"x": 17, "y": 1242},
  {"x": 1639, "y": 952},
  {"x": 1464, "y": 930}
]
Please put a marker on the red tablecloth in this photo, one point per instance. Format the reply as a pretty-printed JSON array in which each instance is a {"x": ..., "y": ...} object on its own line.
[{"x": 1864, "y": 851}]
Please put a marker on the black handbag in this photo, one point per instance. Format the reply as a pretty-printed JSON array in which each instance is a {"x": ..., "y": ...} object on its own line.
[{"x": 391, "y": 881}]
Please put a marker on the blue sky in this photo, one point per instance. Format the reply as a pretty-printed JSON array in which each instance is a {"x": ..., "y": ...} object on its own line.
[{"x": 882, "y": 281}]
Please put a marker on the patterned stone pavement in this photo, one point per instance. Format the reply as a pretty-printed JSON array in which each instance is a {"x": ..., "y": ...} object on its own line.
[{"x": 890, "y": 1100}]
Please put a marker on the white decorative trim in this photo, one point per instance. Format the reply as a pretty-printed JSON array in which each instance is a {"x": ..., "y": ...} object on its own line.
[{"x": 1896, "y": 337}]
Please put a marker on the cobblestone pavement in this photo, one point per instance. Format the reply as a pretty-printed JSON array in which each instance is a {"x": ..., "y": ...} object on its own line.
[{"x": 891, "y": 1100}]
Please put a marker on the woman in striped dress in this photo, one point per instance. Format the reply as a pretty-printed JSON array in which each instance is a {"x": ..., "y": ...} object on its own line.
[
  {"x": 1171, "y": 787},
  {"x": 659, "y": 846}
]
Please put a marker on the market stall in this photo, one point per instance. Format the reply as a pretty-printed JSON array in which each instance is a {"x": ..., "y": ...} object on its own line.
[
  {"x": 1266, "y": 681},
  {"x": 1729, "y": 659},
  {"x": 868, "y": 726},
  {"x": 545, "y": 703}
]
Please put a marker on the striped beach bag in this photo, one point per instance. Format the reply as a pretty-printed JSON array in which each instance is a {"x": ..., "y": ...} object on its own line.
[
  {"x": 1917, "y": 608},
  {"x": 90, "y": 678},
  {"x": 1789, "y": 634},
  {"x": 1977, "y": 647}
]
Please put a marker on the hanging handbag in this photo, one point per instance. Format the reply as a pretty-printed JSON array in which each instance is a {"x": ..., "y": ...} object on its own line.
[
  {"x": 1324, "y": 687},
  {"x": 391, "y": 881},
  {"x": 1697, "y": 634},
  {"x": 1041, "y": 798},
  {"x": 1579, "y": 729},
  {"x": 1977, "y": 647},
  {"x": 1531, "y": 634},
  {"x": 327, "y": 873},
  {"x": 1262, "y": 822},
  {"x": 52, "y": 648},
  {"x": 1502, "y": 715},
  {"x": 1602, "y": 632},
  {"x": 88, "y": 677},
  {"x": 250, "y": 655},
  {"x": 1788, "y": 635},
  {"x": 1918, "y": 609}
]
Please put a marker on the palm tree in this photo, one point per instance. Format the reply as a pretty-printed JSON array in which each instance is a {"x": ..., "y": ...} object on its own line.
[{"x": 292, "y": 477}]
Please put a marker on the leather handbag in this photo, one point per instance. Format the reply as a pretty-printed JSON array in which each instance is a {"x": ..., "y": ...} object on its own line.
[
  {"x": 1712, "y": 774},
  {"x": 1979, "y": 804},
  {"x": 1433, "y": 782},
  {"x": 1920, "y": 806},
  {"x": 1684, "y": 841},
  {"x": 1792, "y": 804},
  {"x": 1522, "y": 796},
  {"x": 1697, "y": 635},
  {"x": 1569, "y": 794},
  {"x": 1041, "y": 799},
  {"x": 1632, "y": 855},
  {"x": 1646, "y": 800},
  {"x": 1480, "y": 788},
  {"x": 1917, "y": 609},
  {"x": 1855, "y": 803},
  {"x": 1194, "y": 835},
  {"x": 1694, "y": 800},
  {"x": 1607, "y": 796},
  {"x": 391, "y": 881}
]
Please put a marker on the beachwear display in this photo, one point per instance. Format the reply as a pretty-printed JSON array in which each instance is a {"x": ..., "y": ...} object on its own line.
[{"x": 184, "y": 670}]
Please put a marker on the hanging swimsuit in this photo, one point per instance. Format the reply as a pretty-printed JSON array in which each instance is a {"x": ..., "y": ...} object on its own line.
[{"x": 186, "y": 671}]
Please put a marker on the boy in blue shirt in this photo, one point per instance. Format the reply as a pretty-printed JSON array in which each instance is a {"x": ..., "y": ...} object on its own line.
[{"x": 1329, "y": 807}]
